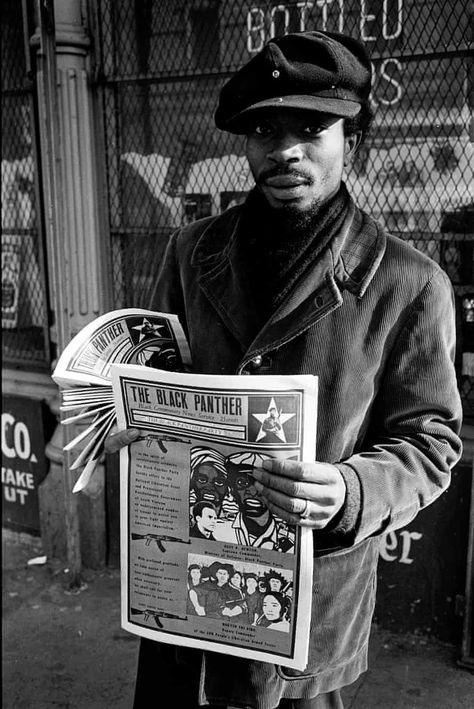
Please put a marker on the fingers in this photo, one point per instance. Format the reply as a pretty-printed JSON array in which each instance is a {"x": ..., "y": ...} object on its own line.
[
  {"x": 305, "y": 472},
  {"x": 295, "y": 478},
  {"x": 316, "y": 519},
  {"x": 292, "y": 489},
  {"x": 115, "y": 442}
]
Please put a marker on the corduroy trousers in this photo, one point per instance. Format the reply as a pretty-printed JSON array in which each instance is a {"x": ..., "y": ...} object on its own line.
[{"x": 162, "y": 687}]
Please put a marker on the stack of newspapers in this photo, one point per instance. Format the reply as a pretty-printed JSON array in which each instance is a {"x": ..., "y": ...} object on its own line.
[{"x": 127, "y": 336}]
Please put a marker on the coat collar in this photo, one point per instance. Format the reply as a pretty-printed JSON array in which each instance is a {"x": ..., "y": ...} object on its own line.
[{"x": 348, "y": 264}]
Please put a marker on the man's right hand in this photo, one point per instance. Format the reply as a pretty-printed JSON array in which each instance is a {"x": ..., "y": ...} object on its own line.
[{"x": 116, "y": 441}]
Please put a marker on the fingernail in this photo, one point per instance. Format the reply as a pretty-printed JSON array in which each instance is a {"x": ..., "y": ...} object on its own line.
[
  {"x": 258, "y": 486},
  {"x": 133, "y": 433},
  {"x": 257, "y": 474}
]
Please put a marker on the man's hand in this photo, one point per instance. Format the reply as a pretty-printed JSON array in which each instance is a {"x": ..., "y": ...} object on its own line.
[
  {"x": 116, "y": 441},
  {"x": 307, "y": 494}
]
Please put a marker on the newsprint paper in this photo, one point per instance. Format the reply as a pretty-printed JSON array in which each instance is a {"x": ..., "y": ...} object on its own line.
[{"x": 205, "y": 564}]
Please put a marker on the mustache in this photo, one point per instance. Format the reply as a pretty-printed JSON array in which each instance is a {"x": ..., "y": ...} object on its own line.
[{"x": 279, "y": 170}]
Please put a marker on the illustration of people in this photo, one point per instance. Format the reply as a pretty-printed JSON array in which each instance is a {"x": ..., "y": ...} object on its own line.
[
  {"x": 236, "y": 580},
  {"x": 204, "y": 521},
  {"x": 275, "y": 581},
  {"x": 275, "y": 612},
  {"x": 271, "y": 426},
  {"x": 208, "y": 477},
  {"x": 254, "y": 524},
  {"x": 217, "y": 597},
  {"x": 252, "y": 597},
  {"x": 194, "y": 579}
]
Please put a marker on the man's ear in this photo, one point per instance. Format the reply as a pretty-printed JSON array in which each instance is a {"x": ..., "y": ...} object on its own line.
[{"x": 351, "y": 144}]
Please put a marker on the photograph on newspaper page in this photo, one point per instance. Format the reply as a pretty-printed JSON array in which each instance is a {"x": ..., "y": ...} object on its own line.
[{"x": 204, "y": 562}]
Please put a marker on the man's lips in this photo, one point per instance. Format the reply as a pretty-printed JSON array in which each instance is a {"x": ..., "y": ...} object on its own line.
[{"x": 285, "y": 181}]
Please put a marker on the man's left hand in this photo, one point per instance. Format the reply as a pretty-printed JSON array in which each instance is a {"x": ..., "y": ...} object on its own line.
[{"x": 307, "y": 494}]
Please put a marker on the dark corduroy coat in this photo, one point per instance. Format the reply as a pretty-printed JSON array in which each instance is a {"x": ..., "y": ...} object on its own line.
[{"x": 373, "y": 319}]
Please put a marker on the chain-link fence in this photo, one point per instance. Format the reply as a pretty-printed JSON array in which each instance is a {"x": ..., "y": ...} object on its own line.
[
  {"x": 162, "y": 63},
  {"x": 24, "y": 315}
]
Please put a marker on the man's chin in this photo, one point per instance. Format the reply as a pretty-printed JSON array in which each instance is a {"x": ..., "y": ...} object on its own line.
[{"x": 295, "y": 215}]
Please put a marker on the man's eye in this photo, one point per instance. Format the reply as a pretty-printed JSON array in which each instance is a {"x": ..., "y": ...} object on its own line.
[
  {"x": 218, "y": 483},
  {"x": 312, "y": 130},
  {"x": 202, "y": 480},
  {"x": 262, "y": 129}
]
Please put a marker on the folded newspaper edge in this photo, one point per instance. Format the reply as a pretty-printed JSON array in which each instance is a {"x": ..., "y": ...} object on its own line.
[{"x": 126, "y": 336}]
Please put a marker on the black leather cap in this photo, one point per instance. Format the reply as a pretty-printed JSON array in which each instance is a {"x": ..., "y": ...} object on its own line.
[{"x": 326, "y": 72}]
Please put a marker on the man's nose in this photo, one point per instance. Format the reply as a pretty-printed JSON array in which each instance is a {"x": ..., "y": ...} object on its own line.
[{"x": 285, "y": 148}]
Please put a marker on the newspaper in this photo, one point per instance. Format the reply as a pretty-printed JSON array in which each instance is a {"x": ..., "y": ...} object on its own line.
[
  {"x": 205, "y": 563},
  {"x": 128, "y": 335}
]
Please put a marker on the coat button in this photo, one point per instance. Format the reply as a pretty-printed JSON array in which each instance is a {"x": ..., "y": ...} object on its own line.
[
  {"x": 319, "y": 301},
  {"x": 255, "y": 363}
]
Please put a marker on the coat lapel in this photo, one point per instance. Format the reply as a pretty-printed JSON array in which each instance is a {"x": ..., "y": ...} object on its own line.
[{"x": 349, "y": 264}]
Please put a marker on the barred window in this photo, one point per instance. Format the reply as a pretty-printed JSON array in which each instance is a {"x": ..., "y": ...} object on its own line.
[{"x": 24, "y": 297}]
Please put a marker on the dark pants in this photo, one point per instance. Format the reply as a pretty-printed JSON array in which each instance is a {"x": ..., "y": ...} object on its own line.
[{"x": 180, "y": 692}]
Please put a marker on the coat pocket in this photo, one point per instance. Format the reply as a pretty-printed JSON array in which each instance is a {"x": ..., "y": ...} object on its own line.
[{"x": 344, "y": 585}]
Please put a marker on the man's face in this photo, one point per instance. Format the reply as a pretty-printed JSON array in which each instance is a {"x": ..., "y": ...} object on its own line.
[
  {"x": 275, "y": 584},
  {"x": 222, "y": 576},
  {"x": 209, "y": 484},
  {"x": 297, "y": 157},
  {"x": 249, "y": 501},
  {"x": 251, "y": 584},
  {"x": 207, "y": 521}
]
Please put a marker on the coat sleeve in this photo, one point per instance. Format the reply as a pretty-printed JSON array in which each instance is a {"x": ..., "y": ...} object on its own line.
[{"x": 413, "y": 442}]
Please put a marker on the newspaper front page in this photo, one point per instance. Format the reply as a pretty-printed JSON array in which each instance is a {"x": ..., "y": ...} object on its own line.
[{"x": 205, "y": 563}]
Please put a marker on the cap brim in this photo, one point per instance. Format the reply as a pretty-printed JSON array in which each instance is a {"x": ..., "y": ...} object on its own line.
[{"x": 320, "y": 104}]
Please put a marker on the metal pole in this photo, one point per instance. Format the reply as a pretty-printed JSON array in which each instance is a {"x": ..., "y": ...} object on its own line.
[{"x": 50, "y": 138}]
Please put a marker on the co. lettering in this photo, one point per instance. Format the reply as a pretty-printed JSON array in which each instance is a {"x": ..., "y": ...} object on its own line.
[{"x": 16, "y": 441}]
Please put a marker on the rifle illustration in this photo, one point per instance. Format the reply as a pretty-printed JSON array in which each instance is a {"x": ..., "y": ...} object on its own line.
[
  {"x": 159, "y": 539},
  {"x": 236, "y": 602},
  {"x": 156, "y": 615},
  {"x": 150, "y": 437}
]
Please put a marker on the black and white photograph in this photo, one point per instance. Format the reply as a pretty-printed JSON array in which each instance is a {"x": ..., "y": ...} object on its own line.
[{"x": 237, "y": 354}]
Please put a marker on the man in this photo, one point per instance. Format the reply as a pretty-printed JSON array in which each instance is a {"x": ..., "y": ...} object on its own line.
[
  {"x": 254, "y": 524},
  {"x": 208, "y": 477},
  {"x": 272, "y": 427},
  {"x": 252, "y": 597},
  {"x": 275, "y": 581},
  {"x": 299, "y": 281},
  {"x": 205, "y": 520},
  {"x": 217, "y": 597}
]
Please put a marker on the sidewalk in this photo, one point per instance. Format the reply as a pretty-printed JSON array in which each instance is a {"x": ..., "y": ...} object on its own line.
[{"x": 64, "y": 650}]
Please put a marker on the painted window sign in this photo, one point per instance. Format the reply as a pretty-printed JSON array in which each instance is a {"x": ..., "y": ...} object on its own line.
[
  {"x": 384, "y": 21},
  {"x": 398, "y": 546},
  {"x": 391, "y": 29},
  {"x": 24, "y": 463}
]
